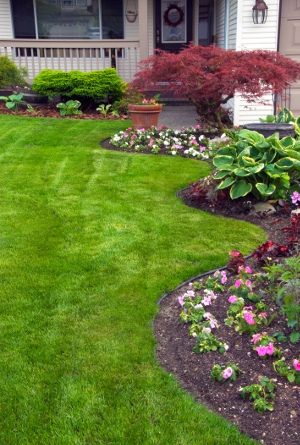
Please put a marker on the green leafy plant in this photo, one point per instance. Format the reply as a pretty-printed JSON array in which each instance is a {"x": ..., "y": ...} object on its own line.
[
  {"x": 292, "y": 373},
  {"x": 104, "y": 109},
  {"x": 264, "y": 345},
  {"x": 225, "y": 373},
  {"x": 69, "y": 108},
  {"x": 10, "y": 74},
  {"x": 206, "y": 342},
  {"x": 261, "y": 393},
  {"x": 13, "y": 101},
  {"x": 264, "y": 167}
]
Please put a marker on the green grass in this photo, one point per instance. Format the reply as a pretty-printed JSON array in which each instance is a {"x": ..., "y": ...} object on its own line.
[{"x": 89, "y": 241}]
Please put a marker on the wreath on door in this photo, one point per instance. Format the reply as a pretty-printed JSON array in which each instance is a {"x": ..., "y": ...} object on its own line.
[{"x": 172, "y": 19}]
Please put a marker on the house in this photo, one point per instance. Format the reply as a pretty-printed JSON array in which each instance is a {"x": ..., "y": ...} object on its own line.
[{"x": 95, "y": 34}]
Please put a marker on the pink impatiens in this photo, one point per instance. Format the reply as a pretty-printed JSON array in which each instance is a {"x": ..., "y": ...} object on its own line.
[
  {"x": 227, "y": 373},
  {"x": 296, "y": 363}
]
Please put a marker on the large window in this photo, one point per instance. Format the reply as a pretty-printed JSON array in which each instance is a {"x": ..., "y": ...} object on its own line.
[{"x": 68, "y": 19}]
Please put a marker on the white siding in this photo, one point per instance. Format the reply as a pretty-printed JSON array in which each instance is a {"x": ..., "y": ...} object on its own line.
[
  {"x": 251, "y": 36},
  {"x": 220, "y": 15},
  {"x": 232, "y": 24},
  {"x": 6, "y": 31}
]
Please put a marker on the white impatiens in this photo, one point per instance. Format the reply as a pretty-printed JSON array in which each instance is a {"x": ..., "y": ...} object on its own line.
[{"x": 188, "y": 142}]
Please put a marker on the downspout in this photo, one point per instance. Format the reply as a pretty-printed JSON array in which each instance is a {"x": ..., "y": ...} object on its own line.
[{"x": 278, "y": 41}]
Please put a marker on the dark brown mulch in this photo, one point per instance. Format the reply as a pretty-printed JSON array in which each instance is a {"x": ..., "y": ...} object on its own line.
[
  {"x": 193, "y": 371},
  {"x": 50, "y": 110}
]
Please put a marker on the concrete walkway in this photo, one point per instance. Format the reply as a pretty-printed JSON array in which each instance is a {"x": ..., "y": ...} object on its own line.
[{"x": 178, "y": 116}]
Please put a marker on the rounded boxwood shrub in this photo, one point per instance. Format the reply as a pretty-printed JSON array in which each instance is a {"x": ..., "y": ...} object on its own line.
[{"x": 100, "y": 86}]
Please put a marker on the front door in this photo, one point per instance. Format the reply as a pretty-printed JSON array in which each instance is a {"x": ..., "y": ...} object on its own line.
[
  {"x": 174, "y": 24},
  {"x": 289, "y": 45}
]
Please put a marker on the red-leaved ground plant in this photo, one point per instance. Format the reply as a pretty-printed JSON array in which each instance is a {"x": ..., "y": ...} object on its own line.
[{"x": 209, "y": 77}]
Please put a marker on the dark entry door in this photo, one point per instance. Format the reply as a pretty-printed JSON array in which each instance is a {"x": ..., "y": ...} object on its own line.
[{"x": 173, "y": 24}]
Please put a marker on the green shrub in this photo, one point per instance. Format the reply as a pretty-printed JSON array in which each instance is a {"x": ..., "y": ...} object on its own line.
[
  {"x": 10, "y": 74},
  {"x": 99, "y": 86},
  {"x": 264, "y": 167}
]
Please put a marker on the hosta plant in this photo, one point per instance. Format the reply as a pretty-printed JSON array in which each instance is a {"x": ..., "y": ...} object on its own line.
[{"x": 265, "y": 167}]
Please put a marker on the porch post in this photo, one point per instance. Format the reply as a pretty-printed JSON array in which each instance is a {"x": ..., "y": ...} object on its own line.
[{"x": 143, "y": 28}]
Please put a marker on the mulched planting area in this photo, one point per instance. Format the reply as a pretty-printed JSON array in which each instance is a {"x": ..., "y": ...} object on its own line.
[{"x": 193, "y": 371}]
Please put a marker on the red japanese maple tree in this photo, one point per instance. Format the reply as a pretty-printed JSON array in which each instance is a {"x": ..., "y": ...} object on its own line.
[{"x": 209, "y": 76}]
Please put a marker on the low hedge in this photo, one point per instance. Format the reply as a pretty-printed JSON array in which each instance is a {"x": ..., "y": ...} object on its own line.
[{"x": 100, "y": 86}]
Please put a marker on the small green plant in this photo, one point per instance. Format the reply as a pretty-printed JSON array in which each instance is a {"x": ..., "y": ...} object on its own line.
[
  {"x": 10, "y": 74},
  {"x": 284, "y": 281},
  {"x": 261, "y": 393},
  {"x": 13, "y": 101},
  {"x": 292, "y": 373},
  {"x": 104, "y": 109},
  {"x": 206, "y": 342},
  {"x": 264, "y": 345},
  {"x": 69, "y": 108},
  {"x": 225, "y": 373}
]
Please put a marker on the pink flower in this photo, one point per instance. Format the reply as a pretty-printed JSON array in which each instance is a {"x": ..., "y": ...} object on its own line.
[
  {"x": 224, "y": 277},
  {"x": 256, "y": 338},
  {"x": 263, "y": 314},
  {"x": 202, "y": 148},
  {"x": 238, "y": 283},
  {"x": 206, "y": 301},
  {"x": 208, "y": 330},
  {"x": 227, "y": 373},
  {"x": 190, "y": 293},
  {"x": 295, "y": 197},
  {"x": 232, "y": 299},
  {"x": 249, "y": 284},
  {"x": 296, "y": 363},
  {"x": 270, "y": 349},
  {"x": 261, "y": 350},
  {"x": 249, "y": 318},
  {"x": 181, "y": 300}
]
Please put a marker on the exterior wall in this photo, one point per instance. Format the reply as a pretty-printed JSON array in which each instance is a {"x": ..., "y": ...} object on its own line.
[
  {"x": 232, "y": 24},
  {"x": 220, "y": 17},
  {"x": 6, "y": 31},
  {"x": 251, "y": 36}
]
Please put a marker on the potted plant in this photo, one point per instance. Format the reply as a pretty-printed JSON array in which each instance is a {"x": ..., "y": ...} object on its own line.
[
  {"x": 131, "y": 15},
  {"x": 145, "y": 114}
]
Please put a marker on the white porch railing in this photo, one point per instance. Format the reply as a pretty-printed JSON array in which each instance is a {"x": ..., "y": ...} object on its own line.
[{"x": 66, "y": 55}]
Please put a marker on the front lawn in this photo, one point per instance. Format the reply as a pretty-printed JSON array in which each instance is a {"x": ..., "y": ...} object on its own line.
[{"x": 90, "y": 239}]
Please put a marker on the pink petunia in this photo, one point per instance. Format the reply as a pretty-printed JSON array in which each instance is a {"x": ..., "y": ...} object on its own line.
[
  {"x": 296, "y": 363},
  {"x": 227, "y": 373}
]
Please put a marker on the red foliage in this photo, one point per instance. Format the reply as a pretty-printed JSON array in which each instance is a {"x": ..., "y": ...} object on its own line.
[{"x": 208, "y": 76}]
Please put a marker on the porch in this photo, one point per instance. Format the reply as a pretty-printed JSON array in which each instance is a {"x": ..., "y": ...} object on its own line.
[{"x": 66, "y": 55}]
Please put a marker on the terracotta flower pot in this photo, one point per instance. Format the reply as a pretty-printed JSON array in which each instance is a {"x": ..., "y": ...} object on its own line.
[{"x": 144, "y": 116}]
